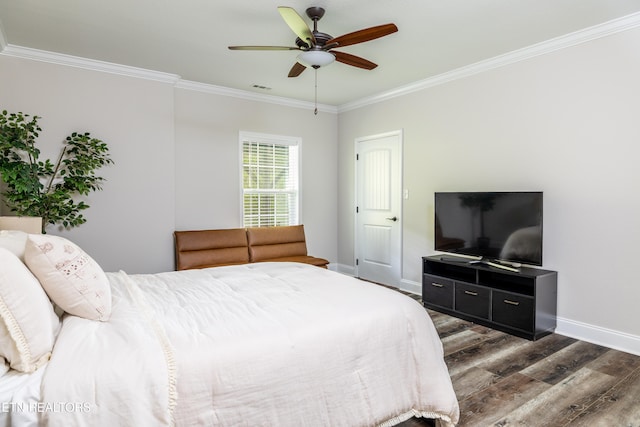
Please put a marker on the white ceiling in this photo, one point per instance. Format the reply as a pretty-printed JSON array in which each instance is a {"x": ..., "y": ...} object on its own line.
[{"x": 190, "y": 37}]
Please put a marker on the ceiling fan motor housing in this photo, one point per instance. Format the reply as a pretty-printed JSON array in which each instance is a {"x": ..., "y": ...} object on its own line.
[{"x": 321, "y": 40}]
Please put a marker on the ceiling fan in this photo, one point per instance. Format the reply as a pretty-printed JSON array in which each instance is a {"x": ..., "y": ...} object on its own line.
[{"x": 318, "y": 48}]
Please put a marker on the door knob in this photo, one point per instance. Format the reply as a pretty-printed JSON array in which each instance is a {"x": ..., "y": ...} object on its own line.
[{"x": 394, "y": 219}]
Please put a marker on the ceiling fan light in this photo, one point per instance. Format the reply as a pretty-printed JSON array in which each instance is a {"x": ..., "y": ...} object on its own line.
[{"x": 316, "y": 58}]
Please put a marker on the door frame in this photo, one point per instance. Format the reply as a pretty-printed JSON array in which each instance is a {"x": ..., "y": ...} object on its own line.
[{"x": 400, "y": 134}]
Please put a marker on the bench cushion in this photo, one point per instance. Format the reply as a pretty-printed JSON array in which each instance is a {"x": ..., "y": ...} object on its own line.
[
  {"x": 268, "y": 243},
  {"x": 209, "y": 248},
  {"x": 318, "y": 262},
  {"x": 283, "y": 243}
]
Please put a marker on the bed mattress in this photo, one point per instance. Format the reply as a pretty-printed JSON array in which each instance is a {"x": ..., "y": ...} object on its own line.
[{"x": 265, "y": 344}]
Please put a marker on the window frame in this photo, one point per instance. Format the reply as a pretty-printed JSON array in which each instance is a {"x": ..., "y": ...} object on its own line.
[{"x": 263, "y": 138}]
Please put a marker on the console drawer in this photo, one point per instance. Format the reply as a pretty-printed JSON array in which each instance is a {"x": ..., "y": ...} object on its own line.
[
  {"x": 437, "y": 290},
  {"x": 513, "y": 310},
  {"x": 473, "y": 300}
]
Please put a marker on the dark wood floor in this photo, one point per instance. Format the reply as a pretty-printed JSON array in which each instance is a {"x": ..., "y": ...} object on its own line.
[{"x": 502, "y": 380}]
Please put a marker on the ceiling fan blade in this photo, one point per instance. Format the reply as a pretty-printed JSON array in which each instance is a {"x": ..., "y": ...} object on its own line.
[
  {"x": 296, "y": 70},
  {"x": 297, "y": 24},
  {"x": 263, "y": 48},
  {"x": 365, "y": 35},
  {"x": 355, "y": 61}
]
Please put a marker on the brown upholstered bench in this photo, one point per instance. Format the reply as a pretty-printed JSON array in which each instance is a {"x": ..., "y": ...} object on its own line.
[{"x": 213, "y": 248}]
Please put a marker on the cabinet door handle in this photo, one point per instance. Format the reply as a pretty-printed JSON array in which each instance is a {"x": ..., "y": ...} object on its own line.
[
  {"x": 437, "y": 285},
  {"x": 473, "y": 294},
  {"x": 511, "y": 302}
]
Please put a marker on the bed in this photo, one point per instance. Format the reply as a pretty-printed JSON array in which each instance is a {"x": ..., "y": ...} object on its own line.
[{"x": 265, "y": 344}]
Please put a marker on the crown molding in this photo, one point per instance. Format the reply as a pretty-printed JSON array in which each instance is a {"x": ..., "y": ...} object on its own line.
[
  {"x": 598, "y": 31},
  {"x": 572, "y": 39},
  {"x": 173, "y": 79},
  {"x": 88, "y": 64},
  {"x": 251, "y": 96}
]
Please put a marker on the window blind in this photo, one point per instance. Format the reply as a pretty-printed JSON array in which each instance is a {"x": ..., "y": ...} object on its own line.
[{"x": 270, "y": 182}]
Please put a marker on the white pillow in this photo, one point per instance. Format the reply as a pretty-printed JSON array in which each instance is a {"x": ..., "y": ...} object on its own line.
[
  {"x": 71, "y": 278},
  {"x": 29, "y": 326},
  {"x": 14, "y": 240}
]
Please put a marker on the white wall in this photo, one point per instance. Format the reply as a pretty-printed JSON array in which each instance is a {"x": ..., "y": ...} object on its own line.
[
  {"x": 208, "y": 163},
  {"x": 565, "y": 123},
  {"x": 176, "y": 157},
  {"x": 129, "y": 223}
]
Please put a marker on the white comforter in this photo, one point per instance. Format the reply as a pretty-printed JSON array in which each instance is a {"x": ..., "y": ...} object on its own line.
[{"x": 266, "y": 344}]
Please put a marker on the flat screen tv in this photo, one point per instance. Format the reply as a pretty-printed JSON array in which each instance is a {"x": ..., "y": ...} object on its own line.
[{"x": 490, "y": 225}]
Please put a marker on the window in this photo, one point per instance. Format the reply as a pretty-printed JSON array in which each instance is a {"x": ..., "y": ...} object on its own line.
[{"x": 270, "y": 192}]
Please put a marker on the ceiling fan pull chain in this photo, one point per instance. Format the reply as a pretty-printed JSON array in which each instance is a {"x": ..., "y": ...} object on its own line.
[{"x": 316, "y": 93}]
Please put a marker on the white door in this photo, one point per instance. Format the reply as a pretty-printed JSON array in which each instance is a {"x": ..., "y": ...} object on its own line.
[{"x": 379, "y": 208}]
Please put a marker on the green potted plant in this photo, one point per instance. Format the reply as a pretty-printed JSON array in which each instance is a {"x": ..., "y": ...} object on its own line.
[{"x": 41, "y": 188}]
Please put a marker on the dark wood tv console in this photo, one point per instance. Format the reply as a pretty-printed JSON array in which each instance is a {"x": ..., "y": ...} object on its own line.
[{"x": 521, "y": 303}]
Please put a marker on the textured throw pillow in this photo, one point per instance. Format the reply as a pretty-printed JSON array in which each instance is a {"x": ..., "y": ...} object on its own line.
[
  {"x": 28, "y": 326},
  {"x": 71, "y": 278},
  {"x": 14, "y": 241}
]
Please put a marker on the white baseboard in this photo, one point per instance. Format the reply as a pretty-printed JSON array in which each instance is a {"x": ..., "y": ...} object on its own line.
[
  {"x": 405, "y": 285},
  {"x": 349, "y": 270},
  {"x": 571, "y": 328},
  {"x": 411, "y": 286},
  {"x": 598, "y": 335}
]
